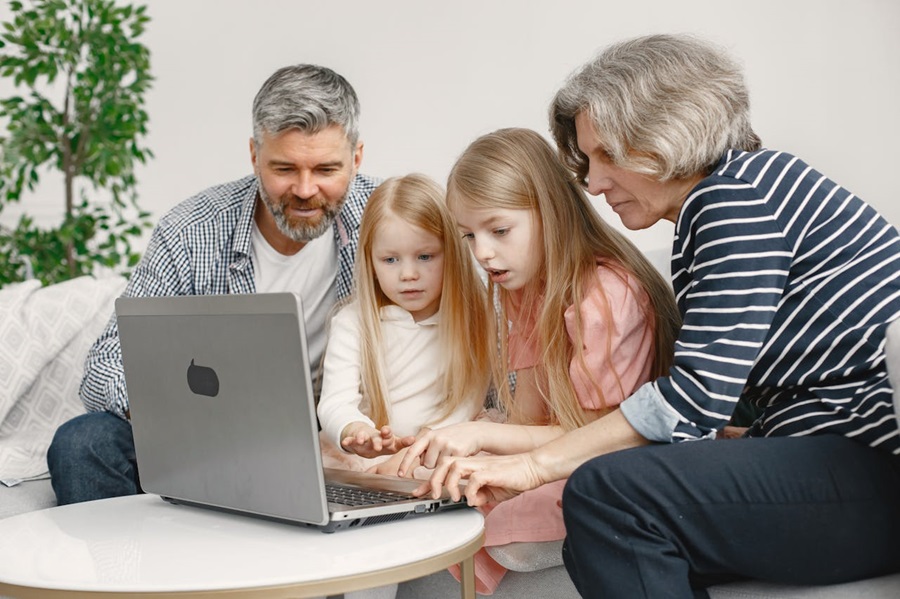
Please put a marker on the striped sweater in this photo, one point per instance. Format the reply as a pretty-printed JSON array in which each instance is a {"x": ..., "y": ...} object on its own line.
[{"x": 786, "y": 283}]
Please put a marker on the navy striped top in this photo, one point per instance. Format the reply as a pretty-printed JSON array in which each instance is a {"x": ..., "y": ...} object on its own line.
[{"x": 786, "y": 283}]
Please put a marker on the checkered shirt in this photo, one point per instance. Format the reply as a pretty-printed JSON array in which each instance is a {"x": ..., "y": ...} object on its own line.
[{"x": 202, "y": 247}]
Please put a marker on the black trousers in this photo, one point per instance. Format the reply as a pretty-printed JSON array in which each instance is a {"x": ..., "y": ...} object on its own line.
[{"x": 670, "y": 520}]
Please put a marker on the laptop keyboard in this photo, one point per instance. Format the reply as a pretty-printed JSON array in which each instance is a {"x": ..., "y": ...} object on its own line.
[{"x": 354, "y": 496}]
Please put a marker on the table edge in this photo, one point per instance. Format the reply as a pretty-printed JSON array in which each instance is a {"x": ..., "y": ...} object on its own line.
[{"x": 318, "y": 588}]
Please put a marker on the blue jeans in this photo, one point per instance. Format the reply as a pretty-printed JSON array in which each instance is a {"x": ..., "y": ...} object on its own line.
[
  {"x": 92, "y": 457},
  {"x": 671, "y": 520}
]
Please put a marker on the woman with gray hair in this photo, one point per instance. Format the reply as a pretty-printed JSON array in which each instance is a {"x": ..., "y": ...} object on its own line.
[{"x": 786, "y": 284}]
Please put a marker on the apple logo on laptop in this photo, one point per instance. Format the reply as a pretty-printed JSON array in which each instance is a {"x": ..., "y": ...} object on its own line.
[{"x": 202, "y": 380}]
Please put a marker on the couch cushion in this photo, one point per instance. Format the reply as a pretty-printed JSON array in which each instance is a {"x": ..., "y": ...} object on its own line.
[
  {"x": 26, "y": 497},
  {"x": 883, "y": 587},
  {"x": 46, "y": 333}
]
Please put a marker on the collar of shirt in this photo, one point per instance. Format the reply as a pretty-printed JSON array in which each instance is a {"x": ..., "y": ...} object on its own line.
[
  {"x": 397, "y": 314},
  {"x": 345, "y": 231},
  {"x": 345, "y": 227},
  {"x": 240, "y": 246}
]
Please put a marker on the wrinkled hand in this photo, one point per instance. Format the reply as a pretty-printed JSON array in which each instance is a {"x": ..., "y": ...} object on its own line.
[
  {"x": 731, "y": 432},
  {"x": 369, "y": 442},
  {"x": 463, "y": 439},
  {"x": 491, "y": 479}
]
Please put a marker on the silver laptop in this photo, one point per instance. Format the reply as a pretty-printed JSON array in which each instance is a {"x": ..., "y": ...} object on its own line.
[{"x": 223, "y": 413}]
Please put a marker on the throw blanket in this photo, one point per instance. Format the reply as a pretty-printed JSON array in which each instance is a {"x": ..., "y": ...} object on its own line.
[{"x": 45, "y": 333}]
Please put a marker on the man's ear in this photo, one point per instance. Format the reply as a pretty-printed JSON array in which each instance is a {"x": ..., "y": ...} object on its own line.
[
  {"x": 253, "y": 156},
  {"x": 357, "y": 156}
]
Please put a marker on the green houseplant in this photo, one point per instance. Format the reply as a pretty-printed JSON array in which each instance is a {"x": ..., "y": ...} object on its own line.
[{"x": 85, "y": 75}]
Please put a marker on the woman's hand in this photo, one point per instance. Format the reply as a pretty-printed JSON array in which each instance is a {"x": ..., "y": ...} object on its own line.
[
  {"x": 491, "y": 479},
  {"x": 731, "y": 432},
  {"x": 501, "y": 477},
  {"x": 463, "y": 439}
]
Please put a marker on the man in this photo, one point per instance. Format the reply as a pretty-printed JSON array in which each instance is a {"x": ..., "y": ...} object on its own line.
[{"x": 266, "y": 232}]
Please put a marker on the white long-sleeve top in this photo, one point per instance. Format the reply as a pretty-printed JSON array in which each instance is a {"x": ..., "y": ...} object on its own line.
[{"x": 413, "y": 362}]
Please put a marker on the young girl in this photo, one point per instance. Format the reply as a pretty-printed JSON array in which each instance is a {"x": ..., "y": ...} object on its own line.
[
  {"x": 401, "y": 355},
  {"x": 585, "y": 319}
]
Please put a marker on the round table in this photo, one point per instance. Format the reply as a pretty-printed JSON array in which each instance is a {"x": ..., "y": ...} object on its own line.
[{"x": 126, "y": 546}]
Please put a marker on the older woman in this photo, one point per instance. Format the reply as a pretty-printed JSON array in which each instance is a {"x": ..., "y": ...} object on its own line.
[{"x": 786, "y": 283}]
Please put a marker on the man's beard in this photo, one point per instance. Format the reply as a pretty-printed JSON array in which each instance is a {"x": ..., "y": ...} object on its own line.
[{"x": 301, "y": 230}]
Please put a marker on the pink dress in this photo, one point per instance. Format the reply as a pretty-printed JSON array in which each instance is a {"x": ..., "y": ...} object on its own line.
[{"x": 536, "y": 515}]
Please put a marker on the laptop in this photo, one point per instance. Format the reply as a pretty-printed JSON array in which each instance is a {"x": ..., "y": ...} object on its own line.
[{"x": 223, "y": 413}]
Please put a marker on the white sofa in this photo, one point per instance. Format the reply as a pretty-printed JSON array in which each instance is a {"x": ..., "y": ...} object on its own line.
[{"x": 44, "y": 336}]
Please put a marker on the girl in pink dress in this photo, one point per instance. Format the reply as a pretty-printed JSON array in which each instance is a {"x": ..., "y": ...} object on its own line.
[{"x": 584, "y": 320}]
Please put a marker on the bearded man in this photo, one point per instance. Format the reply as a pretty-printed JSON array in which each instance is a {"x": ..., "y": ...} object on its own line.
[{"x": 263, "y": 233}]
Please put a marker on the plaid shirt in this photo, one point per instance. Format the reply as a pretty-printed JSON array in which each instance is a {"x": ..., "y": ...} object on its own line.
[{"x": 202, "y": 247}]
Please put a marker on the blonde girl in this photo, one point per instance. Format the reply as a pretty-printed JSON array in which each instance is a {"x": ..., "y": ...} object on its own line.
[
  {"x": 584, "y": 320},
  {"x": 516, "y": 170},
  {"x": 400, "y": 355}
]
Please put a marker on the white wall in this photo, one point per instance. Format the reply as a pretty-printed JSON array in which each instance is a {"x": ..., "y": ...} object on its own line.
[{"x": 824, "y": 77}]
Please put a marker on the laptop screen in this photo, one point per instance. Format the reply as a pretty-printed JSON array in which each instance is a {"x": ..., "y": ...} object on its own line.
[{"x": 221, "y": 402}]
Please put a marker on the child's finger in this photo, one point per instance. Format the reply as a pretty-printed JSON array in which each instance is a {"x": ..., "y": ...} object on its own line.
[{"x": 422, "y": 489}]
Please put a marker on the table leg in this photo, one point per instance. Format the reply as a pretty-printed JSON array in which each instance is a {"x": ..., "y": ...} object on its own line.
[{"x": 467, "y": 577}]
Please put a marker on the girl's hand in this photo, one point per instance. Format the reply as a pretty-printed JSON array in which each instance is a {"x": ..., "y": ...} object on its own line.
[
  {"x": 390, "y": 465},
  {"x": 463, "y": 439},
  {"x": 491, "y": 479},
  {"x": 369, "y": 442}
]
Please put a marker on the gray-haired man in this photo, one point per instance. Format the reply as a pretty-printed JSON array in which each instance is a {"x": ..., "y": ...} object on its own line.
[{"x": 265, "y": 232}]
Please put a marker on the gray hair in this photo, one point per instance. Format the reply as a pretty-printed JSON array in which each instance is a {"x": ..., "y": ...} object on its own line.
[
  {"x": 305, "y": 97},
  {"x": 668, "y": 106}
]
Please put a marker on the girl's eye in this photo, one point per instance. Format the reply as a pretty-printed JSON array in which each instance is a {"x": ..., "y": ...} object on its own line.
[
  {"x": 501, "y": 232},
  {"x": 468, "y": 236},
  {"x": 389, "y": 260},
  {"x": 424, "y": 257}
]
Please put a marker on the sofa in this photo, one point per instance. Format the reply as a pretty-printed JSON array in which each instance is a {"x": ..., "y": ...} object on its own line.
[{"x": 45, "y": 333}]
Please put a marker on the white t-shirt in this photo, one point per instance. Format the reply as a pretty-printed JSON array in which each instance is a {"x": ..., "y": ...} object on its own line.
[
  {"x": 311, "y": 272},
  {"x": 413, "y": 360}
]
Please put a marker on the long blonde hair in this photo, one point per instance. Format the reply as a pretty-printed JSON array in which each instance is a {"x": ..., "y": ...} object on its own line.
[
  {"x": 517, "y": 169},
  {"x": 420, "y": 202}
]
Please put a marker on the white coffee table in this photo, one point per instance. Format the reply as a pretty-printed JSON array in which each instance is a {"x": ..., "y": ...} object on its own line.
[{"x": 142, "y": 545}]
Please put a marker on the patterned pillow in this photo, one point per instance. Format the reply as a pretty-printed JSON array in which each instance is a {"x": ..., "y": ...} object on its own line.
[{"x": 45, "y": 333}]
